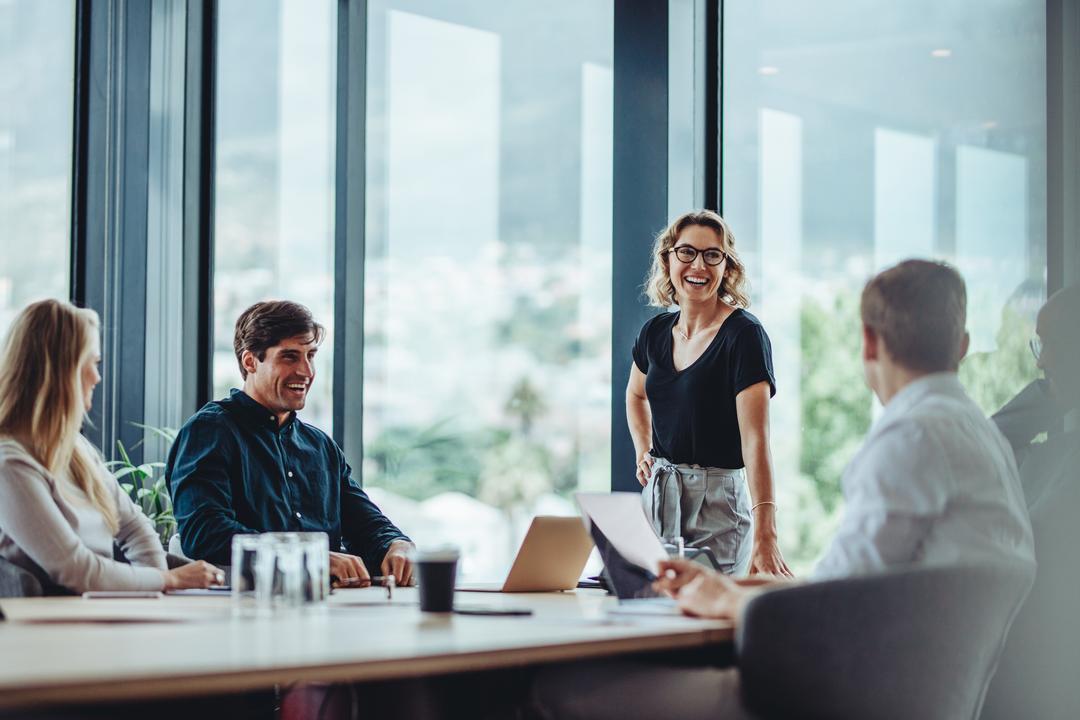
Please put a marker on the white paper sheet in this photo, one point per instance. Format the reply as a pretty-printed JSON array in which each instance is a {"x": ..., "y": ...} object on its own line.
[{"x": 622, "y": 519}]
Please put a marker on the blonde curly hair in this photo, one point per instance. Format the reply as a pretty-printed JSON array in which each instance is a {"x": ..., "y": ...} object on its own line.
[{"x": 734, "y": 287}]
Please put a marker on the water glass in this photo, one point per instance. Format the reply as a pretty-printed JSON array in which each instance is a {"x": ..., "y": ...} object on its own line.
[{"x": 279, "y": 571}]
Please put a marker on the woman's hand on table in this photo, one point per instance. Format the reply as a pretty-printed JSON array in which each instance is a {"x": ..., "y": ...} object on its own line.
[{"x": 197, "y": 574}]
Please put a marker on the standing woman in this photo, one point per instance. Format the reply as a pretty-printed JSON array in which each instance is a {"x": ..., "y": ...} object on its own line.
[
  {"x": 698, "y": 401},
  {"x": 60, "y": 509}
]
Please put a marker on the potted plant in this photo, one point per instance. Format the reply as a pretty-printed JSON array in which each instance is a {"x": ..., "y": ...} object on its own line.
[{"x": 146, "y": 486}]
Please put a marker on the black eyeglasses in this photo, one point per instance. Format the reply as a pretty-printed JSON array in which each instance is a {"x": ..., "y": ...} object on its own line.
[
  {"x": 1036, "y": 346},
  {"x": 687, "y": 254}
]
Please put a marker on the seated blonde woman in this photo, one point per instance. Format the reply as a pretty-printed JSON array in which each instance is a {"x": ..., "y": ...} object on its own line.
[{"x": 60, "y": 509}]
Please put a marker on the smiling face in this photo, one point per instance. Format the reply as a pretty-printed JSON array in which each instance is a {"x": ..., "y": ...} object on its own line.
[
  {"x": 696, "y": 281},
  {"x": 281, "y": 381}
]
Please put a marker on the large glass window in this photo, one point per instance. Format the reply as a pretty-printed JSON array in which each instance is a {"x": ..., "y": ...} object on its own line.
[
  {"x": 37, "y": 61},
  {"x": 857, "y": 135},
  {"x": 488, "y": 268},
  {"x": 274, "y": 181}
]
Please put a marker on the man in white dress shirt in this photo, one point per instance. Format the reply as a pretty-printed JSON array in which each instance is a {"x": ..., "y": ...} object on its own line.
[{"x": 934, "y": 484}]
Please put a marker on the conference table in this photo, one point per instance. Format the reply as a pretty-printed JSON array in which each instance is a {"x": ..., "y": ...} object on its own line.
[{"x": 71, "y": 650}]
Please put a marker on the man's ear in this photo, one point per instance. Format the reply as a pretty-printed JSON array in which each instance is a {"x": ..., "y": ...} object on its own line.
[
  {"x": 964, "y": 345},
  {"x": 248, "y": 360},
  {"x": 871, "y": 343}
]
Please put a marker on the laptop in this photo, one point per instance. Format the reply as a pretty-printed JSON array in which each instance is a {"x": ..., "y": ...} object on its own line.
[
  {"x": 551, "y": 557},
  {"x": 630, "y": 550}
]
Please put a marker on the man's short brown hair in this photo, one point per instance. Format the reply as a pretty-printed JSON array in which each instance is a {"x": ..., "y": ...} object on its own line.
[
  {"x": 919, "y": 308},
  {"x": 266, "y": 324}
]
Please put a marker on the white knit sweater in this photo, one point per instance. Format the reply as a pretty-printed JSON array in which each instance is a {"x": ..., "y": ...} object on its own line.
[{"x": 48, "y": 525}]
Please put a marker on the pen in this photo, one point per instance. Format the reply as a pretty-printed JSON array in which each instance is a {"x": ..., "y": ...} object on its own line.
[{"x": 364, "y": 582}]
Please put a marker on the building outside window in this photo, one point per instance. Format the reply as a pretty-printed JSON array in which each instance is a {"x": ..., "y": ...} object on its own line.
[
  {"x": 274, "y": 180},
  {"x": 857, "y": 135},
  {"x": 488, "y": 269},
  {"x": 37, "y": 70}
]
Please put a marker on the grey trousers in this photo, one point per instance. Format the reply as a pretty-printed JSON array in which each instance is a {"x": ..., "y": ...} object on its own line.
[
  {"x": 707, "y": 507},
  {"x": 627, "y": 690}
]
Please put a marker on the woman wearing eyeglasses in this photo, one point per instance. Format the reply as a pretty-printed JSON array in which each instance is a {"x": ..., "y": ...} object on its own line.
[
  {"x": 698, "y": 401},
  {"x": 60, "y": 509}
]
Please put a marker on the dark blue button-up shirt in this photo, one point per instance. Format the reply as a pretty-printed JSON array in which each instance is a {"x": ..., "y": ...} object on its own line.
[{"x": 233, "y": 470}]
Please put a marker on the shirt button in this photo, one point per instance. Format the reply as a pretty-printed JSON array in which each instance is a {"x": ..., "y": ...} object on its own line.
[
  {"x": 290, "y": 473},
  {"x": 298, "y": 515}
]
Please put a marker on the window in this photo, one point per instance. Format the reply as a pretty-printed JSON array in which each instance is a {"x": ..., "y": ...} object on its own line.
[
  {"x": 37, "y": 61},
  {"x": 857, "y": 135},
  {"x": 274, "y": 180},
  {"x": 488, "y": 268}
]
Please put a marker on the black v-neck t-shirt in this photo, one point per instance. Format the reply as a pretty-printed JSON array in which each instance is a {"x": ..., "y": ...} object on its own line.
[{"x": 693, "y": 411}]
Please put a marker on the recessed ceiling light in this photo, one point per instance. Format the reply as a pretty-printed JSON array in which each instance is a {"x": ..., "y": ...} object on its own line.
[
  {"x": 768, "y": 70},
  {"x": 989, "y": 125},
  {"x": 941, "y": 53}
]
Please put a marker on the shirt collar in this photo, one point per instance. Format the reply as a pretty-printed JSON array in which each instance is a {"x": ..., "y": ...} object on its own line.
[
  {"x": 941, "y": 383},
  {"x": 258, "y": 415}
]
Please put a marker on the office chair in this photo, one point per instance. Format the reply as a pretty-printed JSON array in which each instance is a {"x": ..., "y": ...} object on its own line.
[
  {"x": 904, "y": 644},
  {"x": 1040, "y": 665},
  {"x": 17, "y": 582}
]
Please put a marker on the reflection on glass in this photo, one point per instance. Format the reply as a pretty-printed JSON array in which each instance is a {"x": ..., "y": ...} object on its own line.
[
  {"x": 37, "y": 60},
  {"x": 488, "y": 270},
  {"x": 274, "y": 181},
  {"x": 850, "y": 145}
]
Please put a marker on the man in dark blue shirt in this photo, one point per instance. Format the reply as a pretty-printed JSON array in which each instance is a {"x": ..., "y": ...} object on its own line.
[{"x": 248, "y": 464}]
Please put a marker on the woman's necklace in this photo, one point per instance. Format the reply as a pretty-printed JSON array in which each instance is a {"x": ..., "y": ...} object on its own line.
[{"x": 687, "y": 336}]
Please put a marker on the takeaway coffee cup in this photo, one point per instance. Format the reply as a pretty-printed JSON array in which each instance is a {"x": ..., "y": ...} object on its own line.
[{"x": 436, "y": 571}]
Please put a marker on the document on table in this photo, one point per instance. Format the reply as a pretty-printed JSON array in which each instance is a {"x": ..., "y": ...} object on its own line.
[{"x": 621, "y": 518}]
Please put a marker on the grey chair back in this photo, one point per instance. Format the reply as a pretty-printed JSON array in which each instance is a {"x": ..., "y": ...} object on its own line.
[
  {"x": 904, "y": 644},
  {"x": 17, "y": 582}
]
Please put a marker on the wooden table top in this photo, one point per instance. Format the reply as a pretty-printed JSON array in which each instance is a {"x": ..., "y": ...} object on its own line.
[{"x": 76, "y": 650}]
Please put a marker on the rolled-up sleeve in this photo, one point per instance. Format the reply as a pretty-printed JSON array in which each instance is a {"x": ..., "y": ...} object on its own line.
[
  {"x": 365, "y": 530},
  {"x": 198, "y": 475},
  {"x": 891, "y": 495}
]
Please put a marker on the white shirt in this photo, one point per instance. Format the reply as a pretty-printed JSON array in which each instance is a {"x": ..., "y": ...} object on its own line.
[
  {"x": 48, "y": 526},
  {"x": 935, "y": 483}
]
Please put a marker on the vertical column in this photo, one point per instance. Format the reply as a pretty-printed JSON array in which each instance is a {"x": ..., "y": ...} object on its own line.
[
  {"x": 110, "y": 202},
  {"x": 780, "y": 217},
  {"x": 639, "y": 200}
]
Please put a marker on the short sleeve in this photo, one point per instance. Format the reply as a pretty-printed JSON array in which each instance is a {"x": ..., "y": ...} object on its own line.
[
  {"x": 751, "y": 359},
  {"x": 641, "y": 348}
]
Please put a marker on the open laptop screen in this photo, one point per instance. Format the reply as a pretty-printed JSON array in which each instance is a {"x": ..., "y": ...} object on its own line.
[{"x": 628, "y": 580}]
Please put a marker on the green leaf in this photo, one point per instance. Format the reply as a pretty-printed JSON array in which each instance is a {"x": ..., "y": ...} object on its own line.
[
  {"x": 127, "y": 487},
  {"x": 126, "y": 471},
  {"x": 166, "y": 433},
  {"x": 123, "y": 453}
]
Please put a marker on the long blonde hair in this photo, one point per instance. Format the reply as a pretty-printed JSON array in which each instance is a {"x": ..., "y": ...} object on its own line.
[
  {"x": 734, "y": 285},
  {"x": 41, "y": 394}
]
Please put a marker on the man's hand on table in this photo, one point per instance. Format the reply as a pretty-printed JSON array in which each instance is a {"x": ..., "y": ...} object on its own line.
[
  {"x": 347, "y": 569},
  {"x": 702, "y": 592},
  {"x": 397, "y": 562}
]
